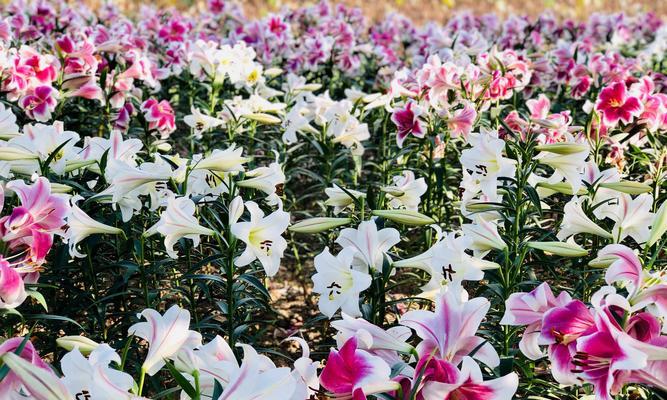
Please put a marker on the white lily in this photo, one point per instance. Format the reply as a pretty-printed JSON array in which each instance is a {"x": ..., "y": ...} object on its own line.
[
  {"x": 370, "y": 244},
  {"x": 166, "y": 335},
  {"x": 178, "y": 221},
  {"x": 341, "y": 200},
  {"x": 230, "y": 160},
  {"x": 80, "y": 225},
  {"x": 263, "y": 238},
  {"x": 200, "y": 122},
  {"x": 575, "y": 221},
  {"x": 267, "y": 179},
  {"x": 93, "y": 376},
  {"x": 253, "y": 382},
  {"x": 406, "y": 192},
  {"x": 633, "y": 217},
  {"x": 338, "y": 283}
]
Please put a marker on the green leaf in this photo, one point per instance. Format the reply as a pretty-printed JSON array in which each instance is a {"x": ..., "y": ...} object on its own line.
[
  {"x": 39, "y": 297},
  {"x": 181, "y": 380}
]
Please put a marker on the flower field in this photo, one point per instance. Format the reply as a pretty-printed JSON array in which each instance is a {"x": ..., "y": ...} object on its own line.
[{"x": 310, "y": 205}]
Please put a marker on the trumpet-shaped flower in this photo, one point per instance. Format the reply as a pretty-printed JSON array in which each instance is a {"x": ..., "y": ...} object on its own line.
[
  {"x": 263, "y": 238},
  {"x": 201, "y": 123},
  {"x": 575, "y": 221},
  {"x": 340, "y": 199},
  {"x": 615, "y": 105},
  {"x": 485, "y": 161},
  {"x": 267, "y": 179},
  {"x": 633, "y": 217},
  {"x": 408, "y": 121},
  {"x": 338, "y": 283},
  {"x": 528, "y": 309},
  {"x": 12, "y": 287},
  {"x": 569, "y": 166},
  {"x": 166, "y": 335},
  {"x": 444, "y": 381},
  {"x": 450, "y": 331},
  {"x": 80, "y": 226},
  {"x": 178, "y": 221},
  {"x": 229, "y": 160},
  {"x": 13, "y": 381},
  {"x": 371, "y": 337},
  {"x": 354, "y": 373},
  {"x": 252, "y": 382},
  {"x": 371, "y": 244},
  {"x": 93, "y": 376},
  {"x": 406, "y": 192}
]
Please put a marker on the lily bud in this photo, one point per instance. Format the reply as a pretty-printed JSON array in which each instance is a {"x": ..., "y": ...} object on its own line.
[
  {"x": 85, "y": 345},
  {"x": 603, "y": 261},
  {"x": 41, "y": 383},
  {"x": 60, "y": 188},
  {"x": 164, "y": 147},
  {"x": 478, "y": 206},
  {"x": 263, "y": 118},
  {"x": 392, "y": 191},
  {"x": 236, "y": 209},
  {"x": 311, "y": 87},
  {"x": 561, "y": 187},
  {"x": 14, "y": 154},
  {"x": 562, "y": 148},
  {"x": 628, "y": 187},
  {"x": 405, "y": 217},
  {"x": 74, "y": 165},
  {"x": 317, "y": 225},
  {"x": 273, "y": 72},
  {"x": 559, "y": 248},
  {"x": 659, "y": 225}
]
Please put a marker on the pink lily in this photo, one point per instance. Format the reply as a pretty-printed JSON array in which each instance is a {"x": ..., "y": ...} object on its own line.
[
  {"x": 443, "y": 380},
  {"x": 449, "y": 332},
  {"x": 528, "y": 309}
]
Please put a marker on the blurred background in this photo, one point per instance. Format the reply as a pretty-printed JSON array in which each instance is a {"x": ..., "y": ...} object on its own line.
[{"x": 428, "y": 10}]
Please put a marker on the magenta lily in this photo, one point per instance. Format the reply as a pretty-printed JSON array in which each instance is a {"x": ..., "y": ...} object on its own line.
[
  {"x": 615, "y": 105},
  {"x": 408, "y": 122},
  {"x": 352, "y": 373}
]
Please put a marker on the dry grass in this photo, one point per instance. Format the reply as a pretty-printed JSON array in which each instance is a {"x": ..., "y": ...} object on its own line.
[{"x": 438, "y": 10}]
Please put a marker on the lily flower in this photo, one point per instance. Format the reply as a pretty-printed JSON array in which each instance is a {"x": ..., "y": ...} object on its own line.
[
  {"x": 449, "y": 332},
  {"x": 250, "y": 382},
  {"x": 449, "y": 383},
  {"x": 263, "y": 238},
  {"x": 406, "y": 192},
  {"x": 12, "y": 287},
  {"x": 528, "y": 309},
  {"x": 200, "y": 122},
  {"x": 80, "y": 226},
  {"x": 615, "y": 105},
  {"x": 93, "y": 376},
  {"x": 371, "y": 337},
  {"x": 354, "y": 373},
  {"x": 338, "y": 283},
  {"x": 166, "y": 335},
  {"x": 575, "y": 221},
  {"x": 339, "y": 199},
  {"x": 408, "y": 122},
  {"x": 229, "y": 160},
  {"x": 371, "y": 244},
  {"x": 267, "y": 179},
  {"x": 13, "y": 381},
  {"x": 178, "y": 221}
]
